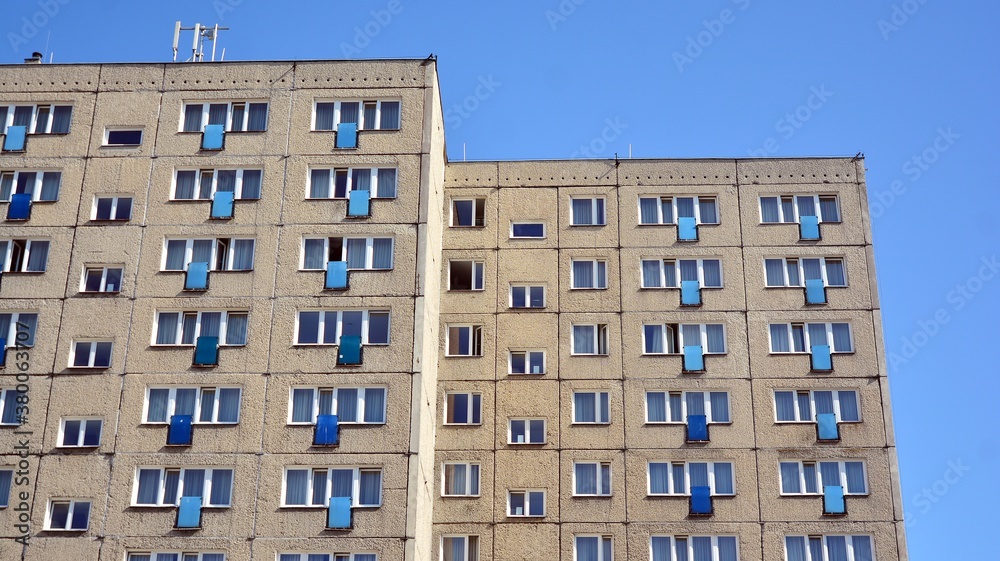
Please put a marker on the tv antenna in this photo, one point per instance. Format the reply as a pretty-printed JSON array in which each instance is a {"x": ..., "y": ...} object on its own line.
[{"x": 201, "y": 34}]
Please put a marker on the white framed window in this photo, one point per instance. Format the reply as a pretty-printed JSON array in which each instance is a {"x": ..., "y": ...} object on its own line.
[
  {"x": 90, "y": 354},
  {"x": 468, "y": 213},
  {"x": 313, "y": 556},
  {"x": 800, "y": 337},
  {"x": 671, "y": 338},
  {"x": 809, "y": 477},
  {"x": 677, "y": 478},
  {"x": 527, "y": 296},
  {"x": 6, "y": 479},
  {"x": 164, "y": 486},
  {"x": 111, "y": 208},
  {"x": 463, "y": 408},
  {"x": 314, "y": 486},
  {"x": 591, "y": 479},
  {"x": 802, "y": 406},
  {"x": 527, "y": 230},
  {"x": 589, "y": 274},
  {"x": 655, "y": 209},
  {"x": 24, "y": 256},
  {"x": 592, "y": 548},
  {"x": 40, "y": 118},
  {"x": 12, "y": 323},
  {"x": 217, "y": 405},
  {"x": 790, "y": 208},
  {"x": 203, "y": 184},
  {"x": 459, "y": 548},
  {"x": 526, "y": 431},
  {"x": 129, "y": 137},
  {"x": 67, "y": 515},
  {"x": 326, "y": 327},
  {"x": 464, "y": 340},
  {"x": 668, "y": 273},
  {"x": 337, "y": 183},
  {"x": 675, "y": 406},
  {"x": 351, "y": 405},
  {"x": 184, "y": 327},
  {"x": 221, "y": 254},
  {"x": 590, "y": 339},
  {"x": 828, "y": 547},
  {"x": 102, "y": 278},
  {"x": 526, "y": 362},
  {"x": 591, "y": 408},
  {"x": 80, "y": 432},
  {"x": 361, "y": 253},
  {"x": 795, "y": 271},
  {"x": 465, "y": 275},
  {"x": 367, "y": 114},
  {"x": 682, "y": 548},
  {"x": 235, "y": 116},
  {"x": 41, "y": 185},
  {"x": 587, "y": 211},
  {"x": 459, "y": 480},
  {"x": 8, "y": 407},
  {"x": 176, "y": 556},
  {"x": 526, "y": 503}
]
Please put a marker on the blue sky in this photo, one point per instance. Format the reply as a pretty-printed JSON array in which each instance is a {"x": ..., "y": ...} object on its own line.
[{"x": 909, "y": 83}]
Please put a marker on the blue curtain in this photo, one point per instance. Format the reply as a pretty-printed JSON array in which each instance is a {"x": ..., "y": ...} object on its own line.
[
  {"x": 319, "y": 494},
  {"x": 656, "y": 407},
  {"x": 185, "y": 184},
  {"x": 184, "y": 401},
  {"x": 647, "y": 211},
  {"x": 378, "y": 328},
  {"x": 389, "y": 118},
  {"x": 587, "y": 548},
  {"x": 217, "y": 113},
  {"x": 605, "y": 408},
  {"x": 386, "y": 183},
  {"x": 816, "y": 548},
  {"x": 720, "y": 406},
  {"x": 343, "y": 483},
  {"x": 302, "y": 405},
  {"x": 205, "y": 187},
  {"x": 779, "y": 338},
  {"x": 370, "y": 110},
  {"x": 681, "y": 549},
  {"x": 654, "y": 338},
  {"x": 60, "y": 118},
  {"x": 790, "y": 477},
  {"x": 356, "y": 253},
  {"x": 862, "y": 548},
  {"x": 296, "y": 486},
  {"x": 695, "y": 403},
  {"x": 371, "y": 487},
  {"x": 149, "y": 486},
  {"x": 583, "y": 274},
  {"x": 258, "y": 117},
  {"x": 828, "y": 209},
  {"x": 38, "y": 256},
  {"x": 698, "y": 471},
  {"x": 836, "y": 548},
  {"x": 325, "y": 116},
  {"x": 708, "y": 211},
  {"x": 842, "y": 338},
  {"x": 849, "y": 406},
  {"x": 349, "y": 112},
  {"x": 374, "y": 405},
  {"x": 824, "y": 401},
  {"x": 586, "y": 479},
  {"x": 775, "y": 271},
  {"x": 9, "y": 417},
  {"x": 251, "y": 184},
  {"x": 211, "y": 322},
  {"x": 835, "y": 273},
  {"x": 661, "y": 548},
  {"x": 222, "y": 486},
  {"x": 676, "y": 408},
  {"x": 583, "y": 211},
  {"x": 347, "y": 405},
  {"x": 229, "y": 405},
  {"x": 685, "y": 207},
  {"x": 6, "y": 182},
  {"x": 361, "y": 180},
  {"x": 651, "y": 273},
  {"x": 784, "y": 405},
  {"x": 583, "y": 339},
  {"x": 817, "y": 333},
  {"x": 795, "y": 548},
  {"x": 585, "y": 407},
  {"x": 678, "y": 478},
  {"x": 225, "y": 181},
  {"x": 727, "y": 548},
  {"x": 689, "y": 270},
  {"x": 716, "y": 338},
  {"x": 670, "y": 274},
  {"x": 690, "y": 335},
  {"x": 667, "y": 208},
  {"x": 50, "y": 186},
  {"x": 807, "y": 206},
  {"x": 809, "y": 474},
  {"x": 855, "y": 477},
  {"x": 702, "y": 548},
  {"x": 156, "y": 411},
  {"x": 769, "y": 209},
  {"x": 314, "y": 254},
  {"x": 723, "y": 478},
  {"x": 201, "y": 252},
  {"x": 194, "y": 483},
  {"x": 192, "y": 117},
  {"x": 829, "y": 473},
  {"x": 712, "y": 269},
  {"x": 812, "y": 269},
  {"x": 243, "y": 255},
  {"x": 319, "y": 184},
  {"x": 793, "y": 273}
]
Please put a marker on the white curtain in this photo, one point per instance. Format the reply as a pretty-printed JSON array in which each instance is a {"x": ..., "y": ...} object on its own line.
[
  {"x": 243, "y": 255},
  {"x": 386, "y": 183},
  {"x": 236, "y": 329},
  {"x": 229, "y": 405},
  {"x": 775, "y": 270},
  {"x": 356, "y": 253},
  {"x": 656, "y": 407},
  {"x": 849, "y": 406},
  {"x": 685, "y": 207},
  {"x": 38, "y": 256},
  {"x": 361, "y": 180},
  {"x": 651, "y": 273},
  {"x": 586, "y": 479},
  {"x": 817, "y": 334},
  {"x": 211, "y": 322},
  {"x": 712, "y": 269},
  {"x": 862, "y": 548},
  {"x": 166, "y": 329},
  {"x": 302, "y": 405},
  {"x": 689, "y": 270},
  {"x": 769, "y": 209},
  {"x": 258, "y": 117},
  {"x": 319, "y": 184},
  {"x": 647, "y": 211},
  {"x": 156, "y": 412},
  {"x": 654, "y": 338},
  {"x": 784, "y": 405},
  {"x": 296, "y": 486},
  {"x": 723, "y": 472},
  {"x": 225, "y": 181},
  {"x": 790, "y": 477},
  {"x": 716, "y": 338},
  {"x": 583, "y": 274},
  {"x": 842, "y": 337},
  {"x": 149, "y": 486},
  {"x": 314, "y": 254},
  {"x": 828, "y": 209},
  {"x": 695, "y": 403},
  {"x": 708, "y": 211},
  {"x": 585, "y": 405},
  {"x": 50, "y": 186},
  {"x": 835, "y": 273},
  {"x": 374, "y": 405},
  {"x": 855, "y": 477},
  {"x": 587, "y": 548},
  {"x": 583, "y": 339},
  {"x": 371, "y": 487},
  {"x": 222, "y": 486},
  {"x": 661, "y": 548},
  {"x": 347, "y": 405},
  {"x": 727, "y": 548},
  {"x": 702, "y": 547},
  {"x": 325, "y": 116},
  {"x": 720, "y": 406},
  {"x": 583, "y": 211},
  {"x": 698, "y": 471},
  {"x": 389, "y": 115},
  {"x": 251, "y": 184},
  {"x": 836, "y": 548},
  {"x": 185, "y": 184},
  {"x": 795, "y": 548}
]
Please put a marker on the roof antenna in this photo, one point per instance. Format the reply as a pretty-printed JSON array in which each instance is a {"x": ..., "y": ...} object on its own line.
[{"x": 201, "y": 33}]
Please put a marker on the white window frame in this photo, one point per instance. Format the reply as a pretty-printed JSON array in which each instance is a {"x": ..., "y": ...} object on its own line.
[
  {"x": 527, "y": 296},
  {"x": 469, "y": 486},
  {"x": 338, "y": 317},
  {"x": 709, "y": 411},
  {"x": 34, "y": 116},
  {"x": 84, "y": 421},
  {"x": 109, "y": 130},
  {"x": 471, "y": 544},
  {"x": 527, "y": 361},
  {"x": 362, "y": 126},
  {"x": 600, "y": 283},
  {"x": 545, "y": 230},
  {"x": 198, "y": 402},
  {"x": 601, "y": 540},
  {"x": 183, "y": 555},
  {"x": 675, "y": 263},
  {"x": 207, "y": 103},
  {"x": 6, "y": 397},
  {"x": 597, "y": 407},
  {"x": 599, "y": 482},
  {"x": 92, "y": 353},
  {"x": 189, "y": 254},
  {"x": 28, "y": 243},
  {"x": 527, "y": 503},
  {"x": 841, "y": 466},
  {"x": 369, "y": 251},
  {"x": 49, "y": 511},
  {"x": 703, "y": 339},
  {"x": 343, "y": 556},
  {"x": 476, "y": 202},
  {"x": 104, "y": 278},
  {"x": 689, "y": 543},
  {"x": 114, "y": 208},
  {"x": 849, "y": 540},
  {"x": 199, "y": 172},
  {"x": 476, "y": 264},
  {"x": 206, "y": 492},
  {"x": 805, "y": 337},
  {"x": 598, "y": 218},
  {"x": 687, "y": 478},
  {"x": 799, "y": 420},
  {"x": 223, "y": 326},
  {"x": 372, "y": 182},
  {"x": 11, "y": 335},
  {"x": 673, "y": 205},
  {"x": 795, "y": 207},
  {"x": 475, "y": 332},
  {"x": 527, "y": 431},
  {"x": 355, "y": 485},
  {"x": 470, "y": 409},
  {"x": 36, "y": 189},
  {"x": 335, "y": 403},
  {"x": 802, "y": 273},
  {"x": 601, "y": 335}
]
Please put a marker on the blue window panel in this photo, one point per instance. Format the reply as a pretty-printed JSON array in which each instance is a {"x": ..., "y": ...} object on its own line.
[
  {"x": 222, "y": 204},
  {"x": 15, "y": 139},
  {"x": 20, "y": 207},
  {"x": 359, "y": 203},
  {"x": 809, "y": 227},
  {"x": 206, "y": 352},
  {"x": 826, "y": 426},
  {"x": 339, "y": 515},
  {"x": 694, "y": 358},
  {"x": 833, "y": 500},
  {"x": 820, "y": 359},
  {"x": 349, "y": 352},
  {"x": 3, "y": 351},
  {"x": 347, "y": 135},
  {"x": 697, "y": 428},
  {"x": 336, "y": 275},
  {"x": 690, "y": 293},
  {"x": 687, "y": 229},
  {"x": 214, "y": 137},
  {"x": 701, "y": 500},
  {"x": 189, "y": 513},
  {"x": 327, "y": 431},
  {"x": 196, "y": 277},
  {"x": 815, "y": 291},
  {"x": 179, "y": 432}
]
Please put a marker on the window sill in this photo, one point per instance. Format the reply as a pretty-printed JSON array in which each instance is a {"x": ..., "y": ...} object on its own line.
[
  {"x": 588, "y": 288},
  {"x": 596, "y": 355},
  {"x": 528, "y": 308},
  {"x": 526, "y": 443},
  {"x": 526, "y": 373},
  {"x": 463, "y": 356},
  {"x": 587, "y": 225},
  {"x": 586, "y": 424},
  {"x": 84, "y": 447},
  {"x": 105, "y": 221},
  {"x": 483, "y": 227},
  {"x": 98, "y": 292},
  {"x": 71, "y": 367},
  {"x": 575, "y": 496},
  {"x": 120, "y": 146},
  {"x": 461, "y": 496},
  {"x": 25, "y": 273}
]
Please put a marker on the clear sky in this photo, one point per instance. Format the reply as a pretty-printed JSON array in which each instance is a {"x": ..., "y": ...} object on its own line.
[{"x": 907, "y": 82}]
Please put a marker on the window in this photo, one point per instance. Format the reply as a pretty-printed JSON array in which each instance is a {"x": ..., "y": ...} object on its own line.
[
  {"x": 464, "y": 340},
  {"x": 327, "y": 557},
  {"x": 206, "y": 405},
  {"x": 677, "y": 478},
  {"x": 668, "y": 273},
  {"x": 221, "y": 254},
  {"x": 8, "y": 407},
  {"x": 468, "y": 213},
  {"x": 24, "y": 256},
  {"x": 336, "y": 183},
  {"x": 682, "y": 548},
  {"x": 176, "y": 556},
  {"x": 363, "y": 405},
  {"x": 326, "y": 327},
  {"x": 802, "y": 406},
  {"x": 666, "y": 210},
  {"x": 68, "y": 515},
  {"x": 368, "y": 114},
  {"x": 315, "y": 486},
  {"x": 123, "y": 136},
  {"x": 235, "y": 116},
  {"x": 829, "y": 547},
  {"x": 789, "y": 208},
  {"x": 460, "y": 548},
  {"x": 526, "y": 431},
  {"x": 463, "y": 409},
  {"x": 90, "y": 354},
  {"x": 465, "y": 275},
  {"x": 591, "y": 408},
  {"x": 202, "y": 185},
  {"x": 39, "y": 119},
  {"x": 525, "y": 296},
  {"x": 592, "y": 548},
  {"x": 527, "y": 230},
  {"x": 590, "y": 339},
  {"x": 592, "y": 479},
  {"x": 527, "y": 362},
  {"x": 674, "y": 407},
  {"x": 671, "y": 338},
  {"x": 41, "y": 185},
  {"x": 589, "y": 274},
  {"x": 527, "y": 503},
  {"x": 359, "y": 253},
  {"x": 79, "y": 433},
  {"x": 164, "y": 486},
  {"x": 6, "y": 478},
  {"x": 184, "y": 328},
  {"x": 800, "y": 337},
  {"x": 111, "y": 208},
  {"x": 587, "y": 211},
  {"x": 809, "y": 478},
  {"x": 460, "y": 480},
  {"x": 101, "y": 279},
  {"x": 13, "y": 323},
  {"x": 792, "y": 271}
]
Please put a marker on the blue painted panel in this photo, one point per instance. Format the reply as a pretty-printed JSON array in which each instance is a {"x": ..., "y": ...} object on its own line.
[
  {"x": 697, "y": 428},
  {"x": 222, "y": 205},
  {"x": 815, "y": 292},
  {"x": 820, "y": 360},
  {"x": 694, "y": 358},
  {"x": 347, "y": 135},
  {"x": 196, "y": 277},
  {"x": 690, "y": 293},
  {"x": 20, "y": 207},
  {"x": 15, "y": 139},
  {"x": 350, "y": 350},
  {"x": 809, "y": 227},
  {"x": 336, "y": 275},
  {"x": 327, "y": 431},
  {"x": 214, "y": 137},
  {"x": 359, "y": 203},
  {"x": 826, "y": 426},
  {"x": 701, "y": 500},
  {"x": 833, "y": 500},
  {"x": 339, "y": 515},
  {"x": 179, "y": 433},
  {"x": 687, "y": 229},
  {"x": 189, "y": 513},
  {"x": 206, "y": 352}
]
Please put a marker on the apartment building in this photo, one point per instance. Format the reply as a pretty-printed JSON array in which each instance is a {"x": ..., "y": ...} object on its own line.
[{"x": 252, "y": 313}]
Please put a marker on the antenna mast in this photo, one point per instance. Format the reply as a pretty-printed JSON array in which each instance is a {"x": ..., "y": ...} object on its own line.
[{"x": 201, "y": 34}]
